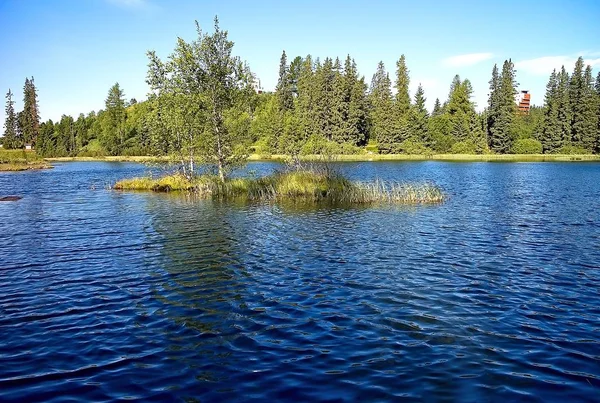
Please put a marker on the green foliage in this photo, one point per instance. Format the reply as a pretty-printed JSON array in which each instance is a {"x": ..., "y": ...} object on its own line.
[
  {"x": 412, "y": 146},
  {"x": 502, "y": 108},
  {"x": 419, "y": 118},
  {"x": 527, "y": 146},
  {"x": 401, "y": 85},
  {"x": 380, "y": 97},
  {"x": 10, "y": 139},
  {"x": 202, "y": 109},
  {"x": 570, "y": 149},
  {"x": 92, "y": 149},
  {"x": 372, "y": 147},
  {"x": 199, "y": 99},
  {"x": 284, "y": 88},
  {"x": 30, "y": 118},
  {"x": 317, "y": 145},
  {"x": 113, "y": 127},
  {"x": 464, "y": 147}
]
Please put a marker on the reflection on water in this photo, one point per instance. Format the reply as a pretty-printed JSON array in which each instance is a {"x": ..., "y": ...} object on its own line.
[{"x": 493, "y": 295}]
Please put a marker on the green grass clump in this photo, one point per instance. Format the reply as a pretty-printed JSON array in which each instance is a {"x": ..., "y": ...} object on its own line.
[
  {"x": 18, "y": 157},
  {"x": 295, "y": 184},
  {"x": 20, "y": 160}
]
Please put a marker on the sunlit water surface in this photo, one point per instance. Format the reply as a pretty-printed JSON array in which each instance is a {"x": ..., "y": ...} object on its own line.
[{"x": 492, "y": 296}]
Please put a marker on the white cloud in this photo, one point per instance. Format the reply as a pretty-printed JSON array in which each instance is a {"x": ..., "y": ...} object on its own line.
[
  {"x": 543, "y": 66},
  {"x": 467, "y": 60}
]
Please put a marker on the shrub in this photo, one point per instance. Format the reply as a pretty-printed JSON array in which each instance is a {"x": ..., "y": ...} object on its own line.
[
  {"x": 317, "y": 145},
  {"x": 464, "y": 147},
  {"x": 92, "y": 149},
  {"x": 411, "y": 146},
  {"x": 527, "y": 146},
  {"x": 571, "y": 149}
]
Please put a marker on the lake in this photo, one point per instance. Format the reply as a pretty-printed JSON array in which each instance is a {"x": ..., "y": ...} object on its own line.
[{"x": 491, "y": 296}]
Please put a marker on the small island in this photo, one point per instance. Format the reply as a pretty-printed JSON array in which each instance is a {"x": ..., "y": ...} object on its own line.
[{"x": 21, "y": 160}]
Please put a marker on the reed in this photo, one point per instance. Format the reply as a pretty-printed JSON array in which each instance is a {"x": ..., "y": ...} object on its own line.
[{"x": 295, "y": 184}]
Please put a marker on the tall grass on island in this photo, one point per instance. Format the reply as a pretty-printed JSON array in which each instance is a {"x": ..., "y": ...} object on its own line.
[
  {"x": 308, "y": 184},
  {"x": 21, "y": 160}
]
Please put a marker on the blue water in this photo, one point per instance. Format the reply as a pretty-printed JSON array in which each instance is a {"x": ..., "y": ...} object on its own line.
[{"x": 491, "y": 296}]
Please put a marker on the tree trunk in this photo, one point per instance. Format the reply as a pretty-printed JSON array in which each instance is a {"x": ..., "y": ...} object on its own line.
[{"x": 221, "y": 170}]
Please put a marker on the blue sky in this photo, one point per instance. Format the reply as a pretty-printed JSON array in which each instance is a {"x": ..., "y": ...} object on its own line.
[{"x": 76, "y": 49}]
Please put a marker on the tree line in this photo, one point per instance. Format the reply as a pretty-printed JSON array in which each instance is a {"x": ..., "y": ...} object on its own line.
[{"x": 203, "y": 105}]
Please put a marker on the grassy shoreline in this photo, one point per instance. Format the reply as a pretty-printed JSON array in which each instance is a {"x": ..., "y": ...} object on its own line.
[
  {"x": 20, "y": 160},
  {"x": 370, "y": 157},
  {"x": 24, "y": 167}
]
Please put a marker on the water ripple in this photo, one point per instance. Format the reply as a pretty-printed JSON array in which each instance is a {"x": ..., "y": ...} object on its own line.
[{"x": 491, "y": 296}]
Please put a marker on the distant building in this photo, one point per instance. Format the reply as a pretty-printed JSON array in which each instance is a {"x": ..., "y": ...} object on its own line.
[
  {"x": 28, "y": 147},
  {"x": 257, "y": 87},
  {"x": 523, "y": 100}
]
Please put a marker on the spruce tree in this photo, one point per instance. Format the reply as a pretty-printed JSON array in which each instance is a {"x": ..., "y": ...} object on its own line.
[
  {"x": 30, "y": 124},
  {"x": 460, "y": 108},
  {"x": 401, "y": 85},
  {"x": 500, "y": 133},
  {"x": 339, "y": 105},
  {"x": 284, "y": 85},
  {"x": 493, "y": 103},
  {"x": 358, "y": 113},
  {"x": 324, "y": 100},
  {"x": 113, "y": 133},
  {"x": 10, "y": 124},
  {"x": 588, "y": 124},
  {"x": 45, "y": 144},
  {"x": 401, "y": 128},
  {"x": 294, "y": 74},
  {"x": 306, "y": 99},
  {"x": 437, "y": 108},
  {"x": 564, "y": 107},
  {"x": 380, "y": 98},
  {"x": 419, "y": 118},
  {"x": 551, "y": 137},
  {"x": 577, "y": 93},
  {"x": 597, "y": 88}
]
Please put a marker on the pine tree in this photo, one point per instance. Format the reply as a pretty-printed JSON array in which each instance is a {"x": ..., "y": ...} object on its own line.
[
  {"x": 564, "y": 106},
  {"x": 597, "y": 88},
  {"x": 419, "y": 118},
  {"x": 113, "y": 131},
  {"x": 380, "y": 97},
  {"x": 576, "y": 97},
  {"x": 358, "y": 113},
  {"x": 30, "y": 124},
  {"x": 587, "y": 112},
  {"x": 500, "y": 132},
  {"x": 10, "y": 124},
  {"x": 401, "y": 85},
  {"x": 460, "y": 108},
  {"x": 551, "y": 137},
  {"x": 401, "y": 127},
  {"x": 339, "y": 105},
  {"x": 493, "y": 103},
  {"x": 306, "y": 99},
  {"x": 284, "y": 86},
  {"x": 45, "y": 144},
  {"x": 294, "y": 73},
  {"x": 437, "y": 108},
  {"x": 324, "y": 100}
]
